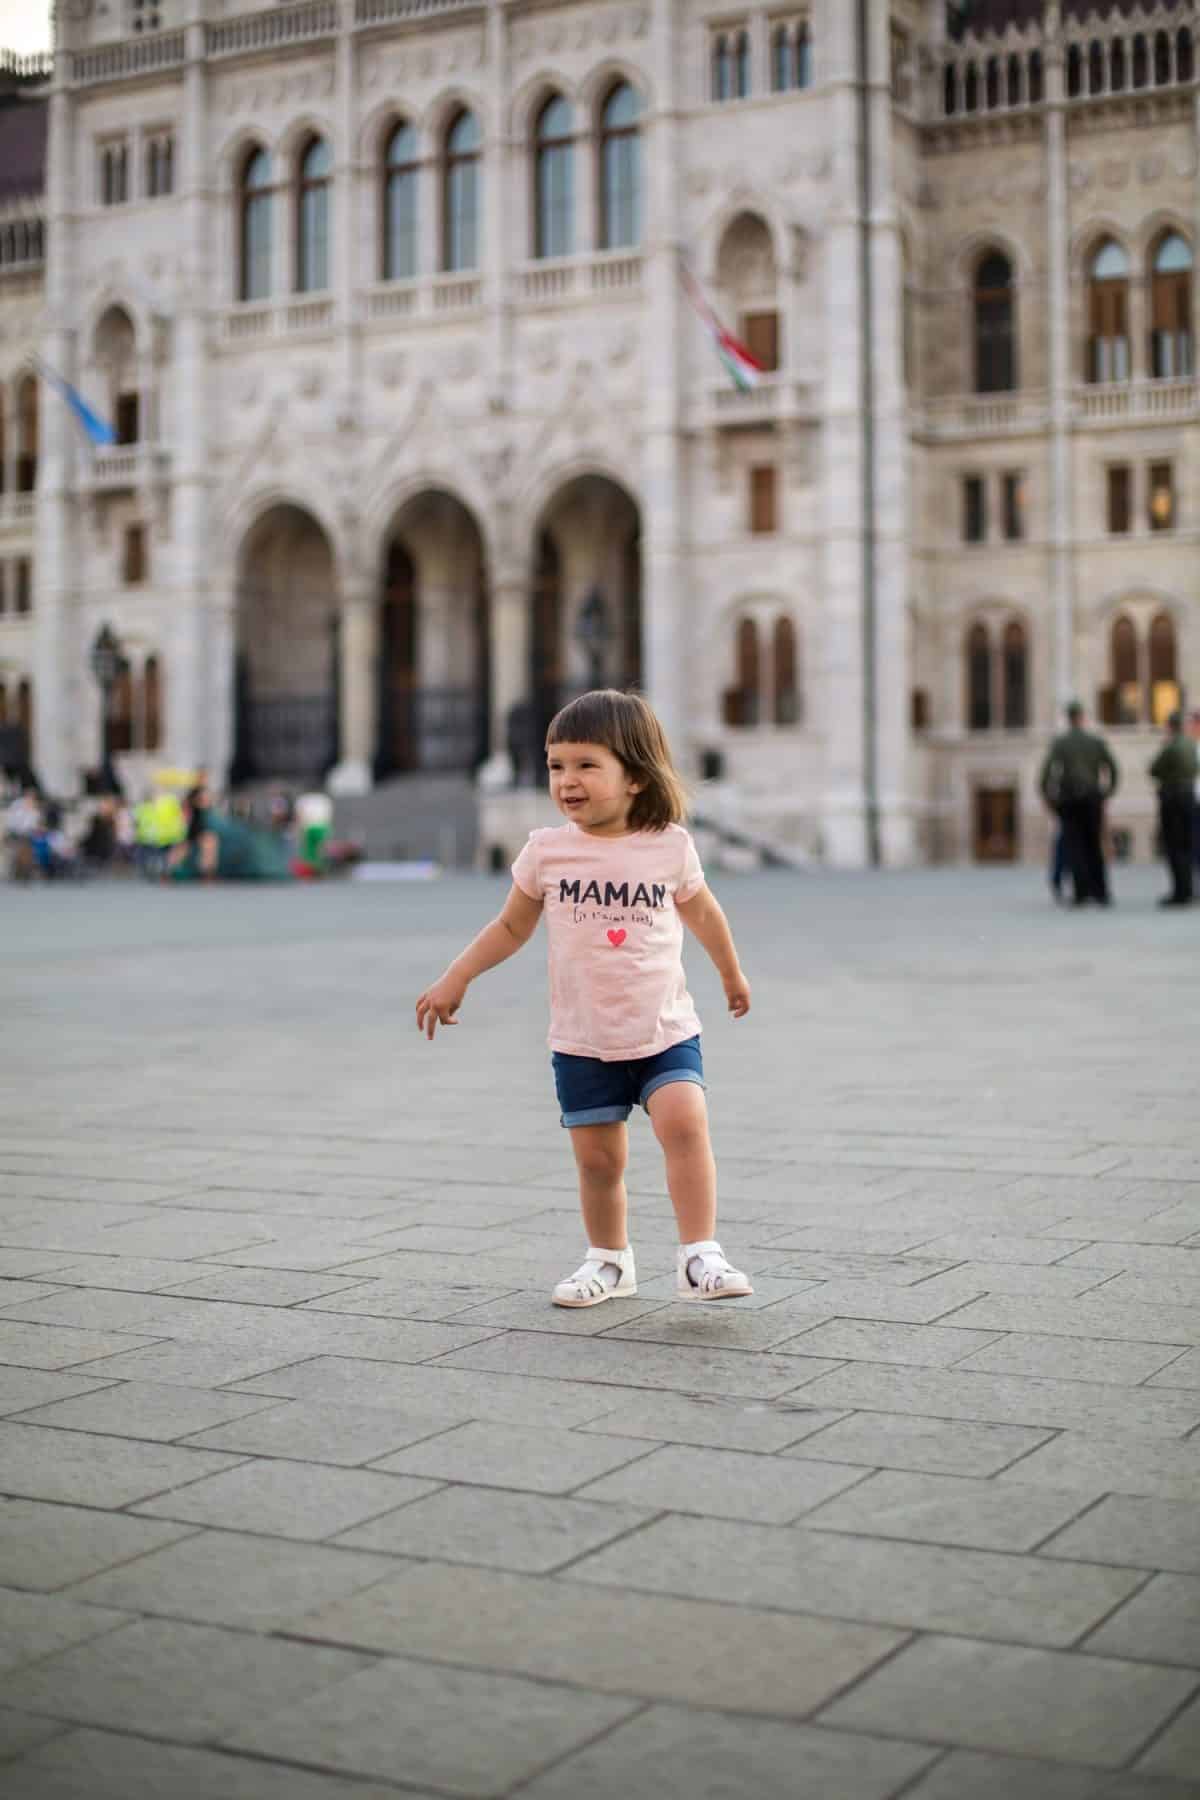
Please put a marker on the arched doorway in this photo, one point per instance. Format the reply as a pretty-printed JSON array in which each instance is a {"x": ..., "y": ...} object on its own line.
[
  {"x": 433, "y": 640},
  {"x": 286, "y": 658},
  {"x": 586, "y": 598}
]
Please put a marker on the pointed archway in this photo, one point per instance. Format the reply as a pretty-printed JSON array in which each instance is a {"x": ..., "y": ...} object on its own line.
[
  {"x": 286, "y": 655},
  {"x": 433, "y": 640},
  {"x": 587, "y": 551}
]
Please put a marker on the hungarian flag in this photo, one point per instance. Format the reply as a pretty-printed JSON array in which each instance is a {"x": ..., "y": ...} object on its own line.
[{"x": 742, "y": 368}]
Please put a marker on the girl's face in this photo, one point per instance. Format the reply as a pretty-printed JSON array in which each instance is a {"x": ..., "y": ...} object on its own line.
[{"x": 591, "y": 786}]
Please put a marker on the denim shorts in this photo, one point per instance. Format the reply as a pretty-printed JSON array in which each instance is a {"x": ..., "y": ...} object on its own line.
[{"x": 591, "y": 1092}]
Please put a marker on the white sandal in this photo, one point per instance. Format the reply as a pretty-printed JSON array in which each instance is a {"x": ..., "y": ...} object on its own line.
[
  {"x": 586, "y": 1286},
  {"x": 718, "y": 1280}
]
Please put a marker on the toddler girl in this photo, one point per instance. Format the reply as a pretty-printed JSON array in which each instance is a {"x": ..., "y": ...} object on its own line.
[{"x": 614, "y": 882}]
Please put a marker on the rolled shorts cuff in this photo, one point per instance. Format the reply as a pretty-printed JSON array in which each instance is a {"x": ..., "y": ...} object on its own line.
[
  {"x": 665, "y": 1076},
  {"x": 595, "y": 1115}
]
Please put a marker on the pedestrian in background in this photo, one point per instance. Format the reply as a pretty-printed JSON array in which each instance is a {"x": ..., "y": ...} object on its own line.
[
  {"x": 1174, "y": 769},
  {"x": 1194, "y": 731},
  {"x": 1077, "y": 777}
]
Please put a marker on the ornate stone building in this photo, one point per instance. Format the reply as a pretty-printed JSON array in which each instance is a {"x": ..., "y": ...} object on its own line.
[{"x": 418, "y": 431}]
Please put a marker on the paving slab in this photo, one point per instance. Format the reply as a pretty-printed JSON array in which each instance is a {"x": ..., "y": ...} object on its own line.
[
  {"x": 21, "y": 1733},
  {"x": 278, "y": 1498},
  {"x": 44, "y": 1547},
  {"x": 723, "y": 1421},
  {"x": 225, "y": 1578},
  {"x": 530, "y": 1533},
  {"x": 1177, "y": 1752},
  {"x": 908, "y": 1441},
  {"x": 1136, "y": 1532},
  {"x": 166, "y": 1679},
  {"x": 678, "y": 1755},
  {"x": 1159, "y": 1624},
  {"x": 106, "y": 1765},
  {"x": 44, "y": 1464},
  {"x": 144, "y": 1409},
  {"x": 727, "y": 1484},
  {"x": 1081, "y": 1709},
  {"x": 467, "y": 1733},
  {"x": 316, "y": 1432},
  {"x": 36, "y": 1625},
  {"x": 645, "y": 1646},
  {"x": 948, "y": 1509},
  {"x": 980, "y": 1776},
  {"x": 507, "y": 1456}
]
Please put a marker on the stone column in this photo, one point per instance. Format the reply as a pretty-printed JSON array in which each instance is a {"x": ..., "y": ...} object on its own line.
[
  {"x": 60, "y": 674},
  {"x": 346, "y": 273},
  {"x": 893, "y": 673},
  {"x": 843, "y": 807},
  {"x": 497, "y": 212},
  {"x": 510, "y": 685},
  {"x": 1058, "y": 311},
  {"x": 198, "y": 690},
  {"x": 359, "y": 686},
  {"x": 661, "y": 499}
]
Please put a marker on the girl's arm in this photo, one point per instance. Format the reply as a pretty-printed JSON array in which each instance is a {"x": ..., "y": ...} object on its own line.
[
  {"x": 705, "y": 920},
  {"x": 514, "y": 926}
]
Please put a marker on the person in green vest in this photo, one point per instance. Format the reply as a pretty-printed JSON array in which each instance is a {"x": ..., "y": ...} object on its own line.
[
  {"x": 1174, "y": 769},
  {"x": 1077, "y": 777}
]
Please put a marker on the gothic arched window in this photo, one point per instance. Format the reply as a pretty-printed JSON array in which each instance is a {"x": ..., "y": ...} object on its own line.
[
  {"x": 254, "y": 276},
  {"x": 1015, "y": 678},
  {"x": 401, "y": 256},
  {"x": 460, "y": 189},
  {"x": 1171, "y": 307},
  {"x": 312, "y": 218},
  {"x": 27, "y": 436},
  {"x": 979, "y": 679},
  {"x": 1163, "y": 671},
  {"x": 742, "y": 65},
  {"x": 784, "y": 683},
  {"x": 620, "y": 169},
  {"x": 743, "y": 699},
  {"x": 554, "y": 179},
  {"x": 1108, "y": 312},
  {"x": 995, "y": 333}
]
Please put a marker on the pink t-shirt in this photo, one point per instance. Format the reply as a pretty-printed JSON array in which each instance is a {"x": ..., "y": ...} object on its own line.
[{"x": 617, "y": 987}]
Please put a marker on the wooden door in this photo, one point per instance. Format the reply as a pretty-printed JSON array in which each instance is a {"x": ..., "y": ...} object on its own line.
[{"x": 995, "y": 824}]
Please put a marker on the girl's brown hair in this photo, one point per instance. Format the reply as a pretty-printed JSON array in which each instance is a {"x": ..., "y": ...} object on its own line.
[{"x": 624, "y": 724}]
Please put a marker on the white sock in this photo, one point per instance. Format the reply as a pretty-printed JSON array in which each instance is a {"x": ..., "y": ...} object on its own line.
[
  {"x": 696, "y": 1254},
  {"x": 610, "y": 1273}
]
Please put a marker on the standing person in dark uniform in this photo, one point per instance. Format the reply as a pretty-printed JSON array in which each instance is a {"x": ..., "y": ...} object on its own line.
[
  {"x": 1174, "y": 769},
  {"x": 1078, "y": 776}
]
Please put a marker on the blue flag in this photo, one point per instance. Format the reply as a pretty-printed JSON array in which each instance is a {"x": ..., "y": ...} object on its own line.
[{"x": 98, "y": 430}]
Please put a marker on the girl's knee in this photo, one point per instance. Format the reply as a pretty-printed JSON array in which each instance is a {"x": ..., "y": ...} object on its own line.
[
  {"x": 680, "y": 1120},
  {"x": 601, "y": 1157}
]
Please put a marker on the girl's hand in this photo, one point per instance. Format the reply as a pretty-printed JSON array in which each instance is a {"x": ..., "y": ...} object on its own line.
[
  {"x": 737, "y": 992},
  {"x": 438, "y": 1005}
]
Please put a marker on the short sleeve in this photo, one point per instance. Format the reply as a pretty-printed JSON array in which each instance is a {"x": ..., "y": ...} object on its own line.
[
  {"x": 692, "y": 878},
  {"x": 525, "y": 871}
]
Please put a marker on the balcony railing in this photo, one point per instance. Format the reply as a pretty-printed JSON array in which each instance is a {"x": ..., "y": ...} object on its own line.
[
  {"x": 275, "y": 29},
  {"x": 121, "y": 62},
  {"x": 775, "y": 396},
  {"x": 983, "y": 415},
  {"x": 16, "y": 511},
  {"x": 125, "y": 467},
  {"x": 1112, "y": 402},
  {"x": 256, "y": 321},
  {"x": 456, "y": 293},
  {"x": 579, "y": 277},
  {"x": 401, "y": 12}
]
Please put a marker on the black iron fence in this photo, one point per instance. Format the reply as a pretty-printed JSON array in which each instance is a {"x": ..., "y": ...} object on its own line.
[{"x": 293, "y": 737}]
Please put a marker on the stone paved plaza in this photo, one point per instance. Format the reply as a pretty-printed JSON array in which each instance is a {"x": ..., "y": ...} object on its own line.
[{"x": 309, "y": 1494}]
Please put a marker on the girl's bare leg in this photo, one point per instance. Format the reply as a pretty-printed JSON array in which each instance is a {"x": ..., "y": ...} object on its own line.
[
  {"x": 601, "y": 1152},
  {"x": 679, "y": 1115}
]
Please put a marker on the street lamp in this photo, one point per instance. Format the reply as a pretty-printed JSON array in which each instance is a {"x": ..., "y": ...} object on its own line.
[
  {"x": 108, "y": 664},
  {"x": 592, "y": 634}
]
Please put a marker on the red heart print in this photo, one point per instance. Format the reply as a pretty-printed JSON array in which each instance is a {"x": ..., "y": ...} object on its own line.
[{"x": 616, "y": 938}]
